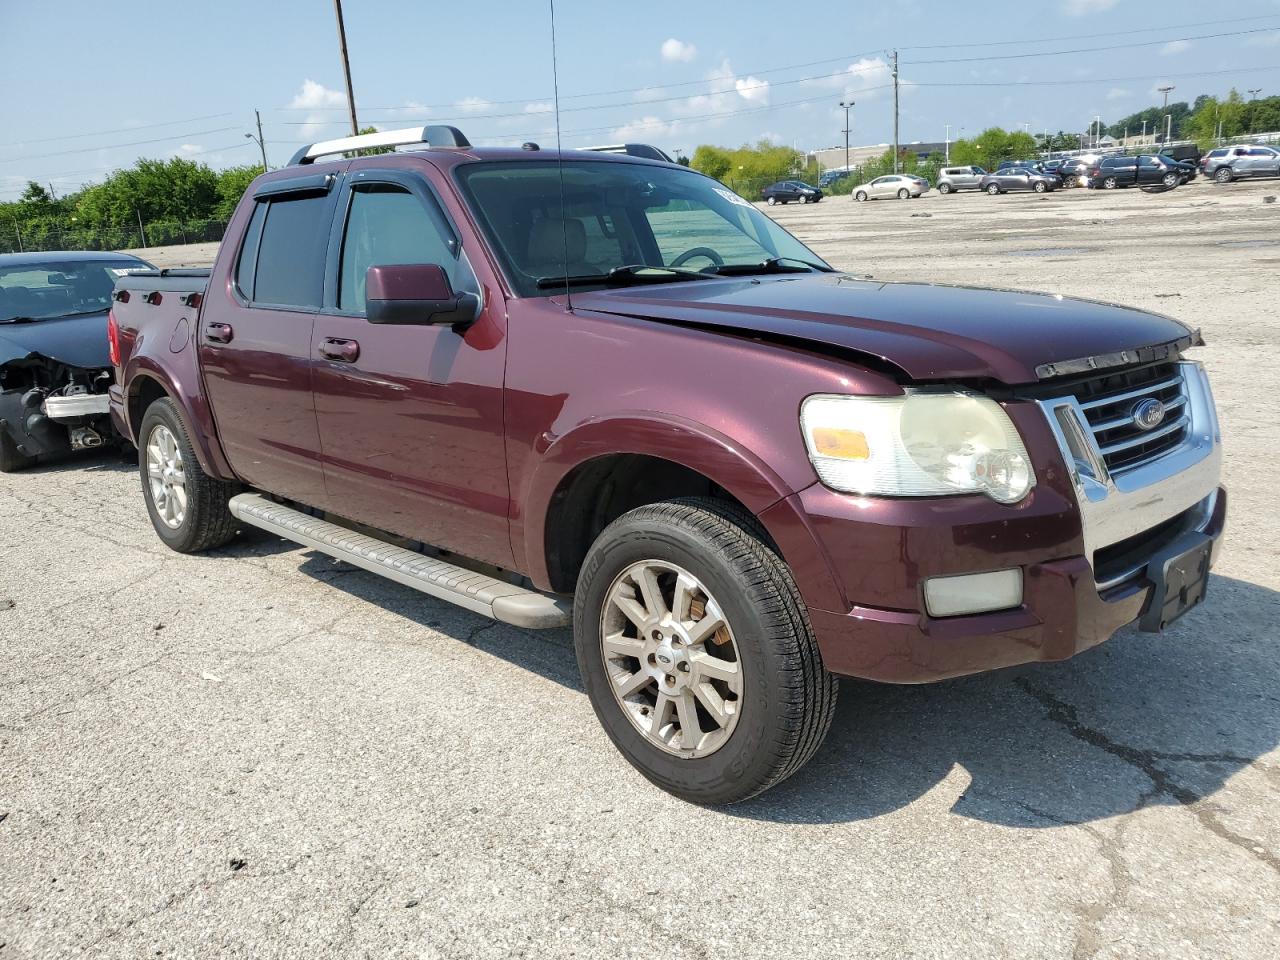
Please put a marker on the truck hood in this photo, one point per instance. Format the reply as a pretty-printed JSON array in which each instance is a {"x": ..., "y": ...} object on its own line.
[
  {"x": 928, "y": 331},
  {"x": 79, "y": 341}
]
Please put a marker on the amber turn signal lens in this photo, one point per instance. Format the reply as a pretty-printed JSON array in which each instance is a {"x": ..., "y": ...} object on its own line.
[{"x": 842, "y": 444}]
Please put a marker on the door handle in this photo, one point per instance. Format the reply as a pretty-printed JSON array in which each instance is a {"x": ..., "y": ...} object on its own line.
[
  {"x": 218, "y": 332},
  {"x": 344, "y": 351}
]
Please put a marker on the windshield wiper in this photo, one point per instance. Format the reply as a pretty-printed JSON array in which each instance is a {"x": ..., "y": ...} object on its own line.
[
  {"x": 771, "y": 265},
  {"x": 19, "y": 319},
  {"x": 631, "y": 274}
]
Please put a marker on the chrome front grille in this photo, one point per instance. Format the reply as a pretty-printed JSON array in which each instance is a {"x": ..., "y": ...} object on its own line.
[{"x": 1109, "y": 401}]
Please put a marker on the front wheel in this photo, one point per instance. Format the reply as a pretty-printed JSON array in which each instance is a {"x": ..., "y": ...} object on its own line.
[
  {"x": 771, "y": 201},
  {"x": 904, "y": 193},
  {"x": 1040, "y": 187},
  {"x": 696, "y": 651},
  {"x": 803, "y": 198},
  {"x": 993, "y": 190},
  {"x": 1170, "y": 180},
  {"x": 1110, "y": 183},
  {"x": 860, "y": 196},
  {"x": 188, "y": 507}
]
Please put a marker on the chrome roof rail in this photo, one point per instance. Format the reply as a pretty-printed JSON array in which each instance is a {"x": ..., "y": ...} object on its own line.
[{"x": 431, "y": 136}]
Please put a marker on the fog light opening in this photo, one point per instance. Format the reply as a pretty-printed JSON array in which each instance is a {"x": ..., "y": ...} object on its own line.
[{"x": 973, "y": 593}]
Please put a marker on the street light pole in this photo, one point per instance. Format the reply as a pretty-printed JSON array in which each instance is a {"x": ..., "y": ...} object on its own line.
[
  {"x": 346, "y": 67},
  {"x": 1252, "y": 94},
  {"x": 847, "y": 107},
  {"x": 262, "y": 146},
  {"x": 947, "y": 146}
]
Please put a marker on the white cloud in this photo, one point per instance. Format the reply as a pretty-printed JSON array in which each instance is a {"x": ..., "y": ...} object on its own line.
[
  {"x": 749, "y": 88},
  {"x": 540, "y": 107},
  {"x": 1117, "y": 93},
  {"x": 473, "y": 104},
  {"x": 861, "y": 78},
  {"x": 646, "y": 129},
  {"x": 319, "y": 101},
  {"x": 1175, "y": 46},
  {"x": 1080, "y": 8},
  {"x": 678, "y": 51}
]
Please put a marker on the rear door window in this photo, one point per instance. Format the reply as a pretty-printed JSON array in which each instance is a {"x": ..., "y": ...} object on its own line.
[{"x": 290, "y": 257}]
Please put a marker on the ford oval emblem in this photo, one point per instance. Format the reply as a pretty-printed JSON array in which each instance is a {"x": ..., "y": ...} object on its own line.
[{"x": 1148, "y": 414}]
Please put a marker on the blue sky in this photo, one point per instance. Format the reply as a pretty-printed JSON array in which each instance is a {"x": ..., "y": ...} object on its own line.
[{"x": 85, "y": 81}]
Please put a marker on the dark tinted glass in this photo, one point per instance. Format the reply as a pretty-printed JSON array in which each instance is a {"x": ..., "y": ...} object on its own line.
[
  {"x": 249, "y": 252},
  {"x": 389, "y": 225},
  {"x": 291, "y": 253}
]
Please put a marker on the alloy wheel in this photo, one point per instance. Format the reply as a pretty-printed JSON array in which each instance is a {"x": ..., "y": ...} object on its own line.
[
  {"x": 167, "y": 477},
  {"x": 671, "y": 658}
]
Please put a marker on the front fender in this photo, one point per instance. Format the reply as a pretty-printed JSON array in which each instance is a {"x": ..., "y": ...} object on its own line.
[{"x": 690, "y": 444}]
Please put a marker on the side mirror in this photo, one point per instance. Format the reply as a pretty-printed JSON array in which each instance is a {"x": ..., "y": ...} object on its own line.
[{"x": 416, "y": 293}]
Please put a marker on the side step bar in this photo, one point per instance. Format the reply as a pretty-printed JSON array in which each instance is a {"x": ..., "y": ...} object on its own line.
[{"x": 476, "y": 592}]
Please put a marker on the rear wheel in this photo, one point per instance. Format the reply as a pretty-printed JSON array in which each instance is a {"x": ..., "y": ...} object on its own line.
[
  {"x": 11, "y": 458},
  {"x": 904, "y": 193},
  {"x": 944, "y": 188},
  {"x": 860, "y": 196},
  {"x": 188, "y": 507},
  {"x": 1224, "y": 175},
  {"x": 1170, "y": 180},
  {"x": 803, "y": 198},
  {"x": 696, "y": 651},
  {"x": 993, "y": 190},
  {"x": 771, "y": 201},
  {"x": 1110, "y": 183}
]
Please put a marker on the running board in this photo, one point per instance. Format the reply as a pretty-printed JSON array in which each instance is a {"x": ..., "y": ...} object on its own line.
[{"x": 476, "y": 592}]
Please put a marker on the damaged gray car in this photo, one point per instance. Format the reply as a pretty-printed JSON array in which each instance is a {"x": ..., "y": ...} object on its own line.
[{"x": 54, "y": 359}]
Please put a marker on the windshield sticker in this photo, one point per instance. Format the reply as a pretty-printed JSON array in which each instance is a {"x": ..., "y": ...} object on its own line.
[
  {"x": 732, "y": 197},
  {"x": 127, "y": 271}
]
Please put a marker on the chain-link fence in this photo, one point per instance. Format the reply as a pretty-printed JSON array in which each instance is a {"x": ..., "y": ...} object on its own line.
[{"x": 51, "y": 234}]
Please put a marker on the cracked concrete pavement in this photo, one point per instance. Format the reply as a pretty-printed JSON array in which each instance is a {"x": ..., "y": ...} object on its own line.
[{"x": 263, "y": 753}]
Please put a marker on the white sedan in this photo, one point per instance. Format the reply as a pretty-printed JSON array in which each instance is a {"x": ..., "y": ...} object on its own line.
[{"x": 897, "y": 185}]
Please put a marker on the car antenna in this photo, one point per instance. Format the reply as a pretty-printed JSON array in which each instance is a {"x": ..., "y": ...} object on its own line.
[{"x": 564, "y": 218}]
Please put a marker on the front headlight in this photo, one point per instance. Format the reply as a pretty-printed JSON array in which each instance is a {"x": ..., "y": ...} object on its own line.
[{"x": 922, "y": 444}]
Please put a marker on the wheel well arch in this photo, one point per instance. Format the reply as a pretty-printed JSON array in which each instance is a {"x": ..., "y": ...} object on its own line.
[
  {"x": 595, "y": 493},
  {"x": 143, "y": 392}
]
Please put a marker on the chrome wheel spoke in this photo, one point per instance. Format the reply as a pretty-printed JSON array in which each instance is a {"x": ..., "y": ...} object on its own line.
[
  {"x": 690, "y": 728},
  {"x": 619, "y": 645},
  {"x": 625, "y": 685},
  {"x": 712, "y": 621},
  {"x": 713, "y": 703},
  {"x": 646, "y": 578},
  {"x": 686, "y": 587},
  {"x": 660, "y": 716},
  {"x": 707, "y": 667}
]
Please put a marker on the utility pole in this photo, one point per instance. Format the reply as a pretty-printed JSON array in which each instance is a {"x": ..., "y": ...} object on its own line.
[
  {"x": 259, "y": 141},
  {"x": 895, "y": 111},
  {"x": 52, "y": 192},
  {"x": 141, "y": 232},
  {"x": 346, "y": 67},
  {"x": 946, "y": 158},
  {"x": 1252, "y": 94},
  {"x": 1168, "y": 128},
  {"x": 1144, "y": 131},
  {"x": 847, "y": 107},
  {"x": 1165, "y": 91}
]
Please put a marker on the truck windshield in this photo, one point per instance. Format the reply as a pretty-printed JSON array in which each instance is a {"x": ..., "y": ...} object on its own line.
[
  {"x": 620, "y": 215},
  {"x": 60, "y": 288}
]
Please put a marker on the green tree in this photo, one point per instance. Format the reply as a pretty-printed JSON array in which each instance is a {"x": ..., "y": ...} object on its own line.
[{"x": 232, "y": 183}]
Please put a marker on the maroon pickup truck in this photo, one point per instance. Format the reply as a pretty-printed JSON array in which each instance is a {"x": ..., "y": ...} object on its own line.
[{"x": 605, "y": 389}]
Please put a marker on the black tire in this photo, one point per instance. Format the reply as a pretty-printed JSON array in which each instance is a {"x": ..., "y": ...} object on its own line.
[
  {"x": 993, "y": 190},
  {"x": 207, "y": 522},
  {"x": 789, "y": 698},
  {"x": 11, "y": 458},
  {"x": 803, "y": 198},
  {"x": 1224, "y": 175},
  {"x": 771, "y": 201},
  {"x": 1171, "y": 180},
  {"x": 1110, "y": 183},
  {"x": 944, "y": 188},
  {"x": 860, "y": 196},
  {"x": 1040, "y": 186},
  {"x": 904, "y": 193}
]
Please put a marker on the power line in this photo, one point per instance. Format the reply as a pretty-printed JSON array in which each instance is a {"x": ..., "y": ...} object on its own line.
[
  {"x": 1058, "y": 83},
  {"x": 1094, "y": 36},
  {"x": 143, "y": 126},
  {"x": 112, "y": 146},
  {"x": 1115, "y": 46}
]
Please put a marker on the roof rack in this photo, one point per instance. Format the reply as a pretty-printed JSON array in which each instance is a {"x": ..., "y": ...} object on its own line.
[
  {"x": 633, "y": 150},
  {"x": 433, "y": 136}
]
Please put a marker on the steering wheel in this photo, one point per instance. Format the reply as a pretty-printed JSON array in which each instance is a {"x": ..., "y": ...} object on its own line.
[{"x": 696, "y": 252}]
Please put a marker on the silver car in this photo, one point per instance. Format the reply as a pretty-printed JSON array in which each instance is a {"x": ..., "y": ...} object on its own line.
[
  {"x": 1247, "y": 162},
  {"x": 897, "y": 185},
  {"x": 951, "y": 179}
]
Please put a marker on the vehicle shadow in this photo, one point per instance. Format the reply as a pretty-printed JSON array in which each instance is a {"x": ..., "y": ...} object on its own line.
[{"x": 1143, "y": 719}]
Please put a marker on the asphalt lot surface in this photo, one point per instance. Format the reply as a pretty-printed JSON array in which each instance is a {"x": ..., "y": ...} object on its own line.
[{"x": 263, "y": 753}]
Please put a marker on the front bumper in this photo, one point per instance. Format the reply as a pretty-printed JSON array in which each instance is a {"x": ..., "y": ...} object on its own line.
[{"x": 1084, "y": 539}]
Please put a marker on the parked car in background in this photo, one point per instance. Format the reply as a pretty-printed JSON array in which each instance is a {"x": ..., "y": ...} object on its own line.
[
  {"x": 54, "y": 363},
  {"x": 1144, "y": 170},
  {"x": 831, "y": 176},
  {"x": 1216, "y": 157},
  {"x": 785, "y": 191},
  {"x": 1183, "y": 153},
  {"x": 1074, "y": 172},
  {"x": 1251, "y": 162},
  {"x": 952, "y": 179},
  {"x": 1018, "y": 178},
  {"x": 891, "y": 185},
  {"x": 735, "y": 490}
]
